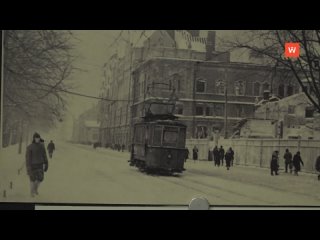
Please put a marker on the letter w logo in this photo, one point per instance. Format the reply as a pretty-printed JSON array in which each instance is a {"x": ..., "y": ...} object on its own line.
[{"x": 292, "y": 50}]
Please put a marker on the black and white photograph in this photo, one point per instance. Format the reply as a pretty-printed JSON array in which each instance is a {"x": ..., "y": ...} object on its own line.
[{"x": 161, "y": 117}]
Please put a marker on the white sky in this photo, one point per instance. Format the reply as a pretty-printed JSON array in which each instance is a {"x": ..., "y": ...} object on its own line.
[{"x": 92, "y": 48}]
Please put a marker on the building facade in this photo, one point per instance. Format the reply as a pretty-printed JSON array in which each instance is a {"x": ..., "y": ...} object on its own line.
[
  {"x": 295, "y": 115},
  {"x": 213, "y": 92},
  {"x": 86, "y": 128}
]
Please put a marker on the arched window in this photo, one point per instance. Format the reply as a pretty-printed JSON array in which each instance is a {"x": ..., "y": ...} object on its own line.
[
  {"x": 289, "y": 90},
  {"x": 256, "y": 89},
  {"x": 266, "y": 86},
  {"x": 220, "y": 87},
  {"x": 177, "y": 82},
  {"x": 281, "y": 90},
  {"x": 201, "y": 86},
  {"x": 239, "y": 88}
]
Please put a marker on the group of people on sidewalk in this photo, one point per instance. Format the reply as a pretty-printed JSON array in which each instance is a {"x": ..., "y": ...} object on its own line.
[
  {"x": 292, "y": 163},
  {"x": 37, "y": 161},
  {"x": 218, "y": 155}
]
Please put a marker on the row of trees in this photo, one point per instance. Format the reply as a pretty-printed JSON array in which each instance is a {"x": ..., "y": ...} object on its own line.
[{"x": 37, "y": 64}]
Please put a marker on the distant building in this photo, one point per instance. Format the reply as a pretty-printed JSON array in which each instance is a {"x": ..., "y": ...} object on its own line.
[
  {"x": 200, "y": 75},
  {"x": 295, "y": 115},
  {"x": 86, "y": 129}
]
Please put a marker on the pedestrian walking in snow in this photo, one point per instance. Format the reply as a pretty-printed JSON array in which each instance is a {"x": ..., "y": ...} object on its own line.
[
  {"x": 187, "y": 155},
  {"x": 232, "y": 155},
  {"x": 274, "y": 164},
  {"x": 216, "y": 156},
  {"x": 296, "y": 163},
  {"x": 221, "y": 153},
  {"x": 36, "y": 163},
  {"x": 51, "y": 148},
  {"x": 317, "y": 167},
  {"x": 195, "y": 153},
  {"x": 288, "y": 160},
  {"x": 228, "y": 157}
]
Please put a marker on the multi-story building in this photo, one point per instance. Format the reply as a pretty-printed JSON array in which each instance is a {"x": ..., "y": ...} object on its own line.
[
  {"x": 213, "y": 92},
  {"x": 86, "y": 128}
]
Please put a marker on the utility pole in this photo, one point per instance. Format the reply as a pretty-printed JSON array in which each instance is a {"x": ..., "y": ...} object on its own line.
[
  {"x": 20, "y": 136},
  {"x": 195, "y": 68},
  {"x": 226, "y": 105},
  {"x": 2, "y": 87},
  {"x": 130, "y": 103}
]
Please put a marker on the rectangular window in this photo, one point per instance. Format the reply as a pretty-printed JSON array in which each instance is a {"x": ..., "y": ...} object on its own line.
[
  {"x": 157, "y": 133},
  {"x": 182, "y": 137},
  {"x": 207, "y": 111},
  {"x": 139, "y": 134},
  {"x": 201, "y": 86},
  {"x": 179, "y": 109},
  {"x": 218, "y": 109},
  {"x": 170, "y": 136},
  {"x": 309, "y": 112},
  {"x": 199, "y": 111}
]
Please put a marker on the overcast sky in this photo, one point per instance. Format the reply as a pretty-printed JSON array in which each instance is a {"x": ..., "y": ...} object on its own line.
[{"x": 93, "y": 49}]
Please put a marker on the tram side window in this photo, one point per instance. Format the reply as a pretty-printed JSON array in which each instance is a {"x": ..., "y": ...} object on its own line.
[
  {"x": 139, "y": 134},
  {"x": 182, "y": 138},
  {"x": 157, "y": 135}
]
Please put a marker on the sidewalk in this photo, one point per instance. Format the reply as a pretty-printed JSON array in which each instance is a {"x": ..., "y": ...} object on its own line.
[
  {"x": 281, "y": 169},
  {"x": 10, "y": 164}
]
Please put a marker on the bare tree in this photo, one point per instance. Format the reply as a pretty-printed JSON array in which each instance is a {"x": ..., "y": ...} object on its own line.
[
  {"x": 271, "y": 44},
  {"x": 36, "y": 65}
]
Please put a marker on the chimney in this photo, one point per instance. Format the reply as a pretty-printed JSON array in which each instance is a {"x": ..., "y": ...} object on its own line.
[
  {"x": 211, "y": 44},
  {"x": 266, "y": 94}
]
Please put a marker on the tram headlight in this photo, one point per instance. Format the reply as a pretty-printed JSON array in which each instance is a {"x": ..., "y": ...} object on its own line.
[{"x": 169, "y": 156}]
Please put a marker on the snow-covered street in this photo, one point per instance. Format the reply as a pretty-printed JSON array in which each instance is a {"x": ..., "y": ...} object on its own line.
[{"x": 80, "y": 174}]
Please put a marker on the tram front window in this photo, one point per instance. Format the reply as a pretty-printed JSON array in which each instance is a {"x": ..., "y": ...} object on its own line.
[
  {"x": 170, "y": 137},
  {"x": 157, "y": 108}
]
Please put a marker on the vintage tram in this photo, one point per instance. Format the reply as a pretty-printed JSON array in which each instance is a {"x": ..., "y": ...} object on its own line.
[{"x": 159, "y": 140}]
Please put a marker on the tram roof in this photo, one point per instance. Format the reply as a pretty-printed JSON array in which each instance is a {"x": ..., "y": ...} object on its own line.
[{"x": 164, "y": 122}]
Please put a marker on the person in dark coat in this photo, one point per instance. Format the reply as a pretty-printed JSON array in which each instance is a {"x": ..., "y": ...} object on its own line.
[
  {"x": 195, "y": 153},
  {"x": 317, "y": 166},
  {"x": 216, "y": 156},
  {"x": 51, "y": 148},
  {"x": 232, "y": 155},
  {"x": 288, "y": 160},
  {"x": 274, "y": 164},
  {"x": 221, "y": 153},
  {"x": 186, "y": 154},
  {"x": 228, "y": 157},
  {"x": 36, "y": 163},
  {"x": 296, "y": 163}
]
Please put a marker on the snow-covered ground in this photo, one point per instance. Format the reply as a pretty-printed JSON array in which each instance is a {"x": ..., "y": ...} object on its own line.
[{"x": 80, "y": 174}]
